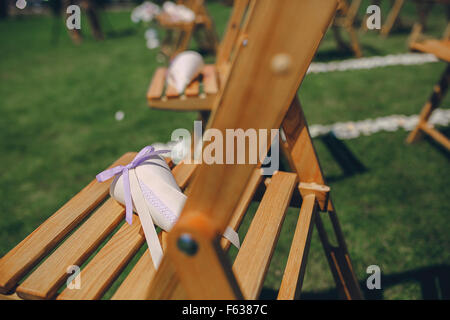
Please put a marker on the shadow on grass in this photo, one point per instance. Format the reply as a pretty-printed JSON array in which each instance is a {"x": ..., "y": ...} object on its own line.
[
  {"x": 372, "y": 51},
  {"x": 402, "y": 29},
  {"x": 434, "y": 284},
  {"x": 439, "y": 147},
  {"x": 344, "y": 157}
]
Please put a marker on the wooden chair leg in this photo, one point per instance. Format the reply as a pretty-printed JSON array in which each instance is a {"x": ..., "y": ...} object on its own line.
[
  {"x": 433, "y": 102},
  {"x": 300, "y": 152},
  {"x": 338, "y": 38},
  {"x": 94, "y": 21},
  {"x": 352, "y": 12},
  {"x": 423, "y": 9},
  {"x": 339, "y": 260},
  {"x": 392, "y": 17},
  {"x": 74, "y": 34},
  {"x": 354, "y": 41},
  {"x": 416, "y": 33}
]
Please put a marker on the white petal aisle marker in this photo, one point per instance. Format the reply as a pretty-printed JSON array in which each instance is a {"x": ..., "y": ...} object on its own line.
[
  {"x": 404, "y": 59},
  {"x": 353, "y": 129}
]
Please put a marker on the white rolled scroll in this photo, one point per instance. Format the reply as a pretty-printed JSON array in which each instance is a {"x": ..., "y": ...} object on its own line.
[
  {"x": 184, "y": 68},
  {"x": 157, "y": 200}
]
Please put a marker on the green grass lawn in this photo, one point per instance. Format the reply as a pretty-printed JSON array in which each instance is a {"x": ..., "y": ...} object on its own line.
[{"x": 57, "y": 131}]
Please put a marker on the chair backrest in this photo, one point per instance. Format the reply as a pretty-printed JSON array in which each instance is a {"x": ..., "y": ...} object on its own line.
[
  {"x": 263, "y": 81},
  {"x": 234, "y": 28},
  {"x": 264, "y": 78},
  {"x": 282, "y": 40}
]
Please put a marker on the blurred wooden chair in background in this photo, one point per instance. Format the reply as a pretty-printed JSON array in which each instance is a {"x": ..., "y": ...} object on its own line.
[
  {"x": 441, "y": 49},
  {"x": 202, "y": 91},
  {"x": 393, "y": 17},
  {"x": 423, "y": 9},
  {"x": 345, "y": 19},
  {"x": 179, "y": 34}
]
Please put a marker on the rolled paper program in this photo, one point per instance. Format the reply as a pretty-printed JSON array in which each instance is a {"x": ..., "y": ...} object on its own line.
[
  {"x": 146, "y": 185},
  {"x": 184, "y": 68}
]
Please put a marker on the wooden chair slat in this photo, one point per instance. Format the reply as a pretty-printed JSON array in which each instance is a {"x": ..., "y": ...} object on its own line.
[
  {"x": 202, "y": 102},
  {"x": 243, "y": 204},
  {"x": 155, "y": 90},
  {"x": 193, "y": 89},
  {"x": 261, "y": 238},
  {"x": 183, "y": 173},
  {"x": 136, "y": 284},
  {"x": 27, "y": 253},
  {"x": 44, "y": 282},
  {"x": 392, "y": 17},
  {"x": 107, "y": 264},
  {"x": 210, "y": 84},
  {"x": 295, "y": 268},
  {"x": 13, "y": 296},
  {"x": 172, "y": 92}
]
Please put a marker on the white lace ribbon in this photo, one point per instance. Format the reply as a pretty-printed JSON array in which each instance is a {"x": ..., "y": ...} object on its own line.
[{"x": 145, "y": 202}]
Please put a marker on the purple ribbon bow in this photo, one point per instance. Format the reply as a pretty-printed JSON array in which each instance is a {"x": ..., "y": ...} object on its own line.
[{"x": 143, "y": 155}]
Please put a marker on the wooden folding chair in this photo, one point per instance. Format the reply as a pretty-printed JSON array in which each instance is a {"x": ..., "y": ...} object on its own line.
[
  {"x": 441, "y": 49},
  {"x": 345, "y": 19},
  {"x": 179, "y": 34},
  {"x": 202, "y": 92},
  {"x": 261, "y": 94}
]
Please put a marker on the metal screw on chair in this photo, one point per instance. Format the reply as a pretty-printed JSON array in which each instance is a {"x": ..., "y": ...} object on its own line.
[
  {"x": 245, "y": 42},
  {"x": 187, "y": 244}
]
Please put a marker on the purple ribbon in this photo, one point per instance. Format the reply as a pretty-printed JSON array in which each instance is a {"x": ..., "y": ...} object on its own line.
[{"x": 143, "y": 155}]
